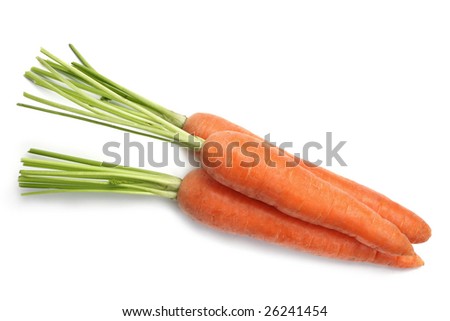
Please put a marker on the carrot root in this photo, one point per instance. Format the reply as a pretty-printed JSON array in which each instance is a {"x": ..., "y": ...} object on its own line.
[
  {"x": 409, "y": 223},
  {"x": 298, "y": 192},
  {"x": 222, "y": 208}
]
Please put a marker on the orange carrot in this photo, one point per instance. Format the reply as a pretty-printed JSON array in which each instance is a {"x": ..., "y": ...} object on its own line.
[
  {"x": 414, "y": 227},
  {"x": 107, "y": 103},
  {"x": 203, "y": 198},
  {"x": 296, "y": 191},
  {"x": 220, "y": 207},
  {"x": 115, "y": 106}
]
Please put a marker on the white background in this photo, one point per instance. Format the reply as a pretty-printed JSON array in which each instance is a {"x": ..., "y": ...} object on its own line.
[{"x": 376, "y": 74}]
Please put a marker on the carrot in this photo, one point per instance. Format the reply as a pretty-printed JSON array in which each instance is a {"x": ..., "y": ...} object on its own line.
[
  {"x": 296, "y": 191},
  {"x": 230, "y": 211},
  {"x": 85, "y": 79},
  {"x": 204, "y": 125},
  {"x": 204, "y": 200},
  {"x": 107, "y": 103},
  {"x": 414, "y": 227}
]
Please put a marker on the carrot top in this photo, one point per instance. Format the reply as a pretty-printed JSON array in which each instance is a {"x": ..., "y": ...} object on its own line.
[
  {"x": 63, "y": 173},
  {"x": 103, "y": 101}
]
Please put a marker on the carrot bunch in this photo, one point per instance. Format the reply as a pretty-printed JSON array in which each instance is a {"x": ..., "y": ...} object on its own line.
[{"x": 283, "y": 200}]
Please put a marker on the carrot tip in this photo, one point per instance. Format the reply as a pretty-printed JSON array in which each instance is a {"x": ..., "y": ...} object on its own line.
[
  {"x": 423, "y": 236},
  {"x": 419, "y": 261},
  {"x": 412, "y": 261}
]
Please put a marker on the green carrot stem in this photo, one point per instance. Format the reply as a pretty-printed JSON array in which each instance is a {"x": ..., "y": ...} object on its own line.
[
  {"x": 105, "y": 101},
  {"x": 84, "y": 100},
  {"x": 95, "y": 191},
  {"x": 79, "y": 56},
  {"x": 106, "y": 124},
  {"x": 79, "y": 84},
  {"x": 117, "y": 97},
  {"x": 42, "y": 82},
  {"x": 175, "y": 118},
  {"x": 95, "y": 163},
  {"x": 106, "y": 117},
  {"x": 68, "y": 173},
  {"x": 163, "y": 183},
  {"x": 102, "y": 109}
]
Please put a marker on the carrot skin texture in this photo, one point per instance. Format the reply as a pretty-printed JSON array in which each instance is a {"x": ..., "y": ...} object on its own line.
[
  {"x": 222, "y": 208},
  {"x": 297, "y": 191},
  {"x": 413, "y": 226},
  {"x": 203, "y": 125}
]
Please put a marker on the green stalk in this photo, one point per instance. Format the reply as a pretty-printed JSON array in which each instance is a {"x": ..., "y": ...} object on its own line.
[
  {"x": 106, "y": 117},
  {"x": 117, "y": 97},
  {"x": 81, "y": 170},
  {"x": 100, "y": 108},
  {"x": 86, "y": 161},
  {"x": 93, "y": 121},
  {"x": 65, "y": 173},
  {"x": 79, "y": 56},
  {"x": 50, "y": 85},
  {"x": 175, "y": 118},
  {"x": 52, "y": 191},
  {"x": 80, "y": 97},
  {"x": 81, "y": 85},
  {"x": 105, "y": 102}
]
